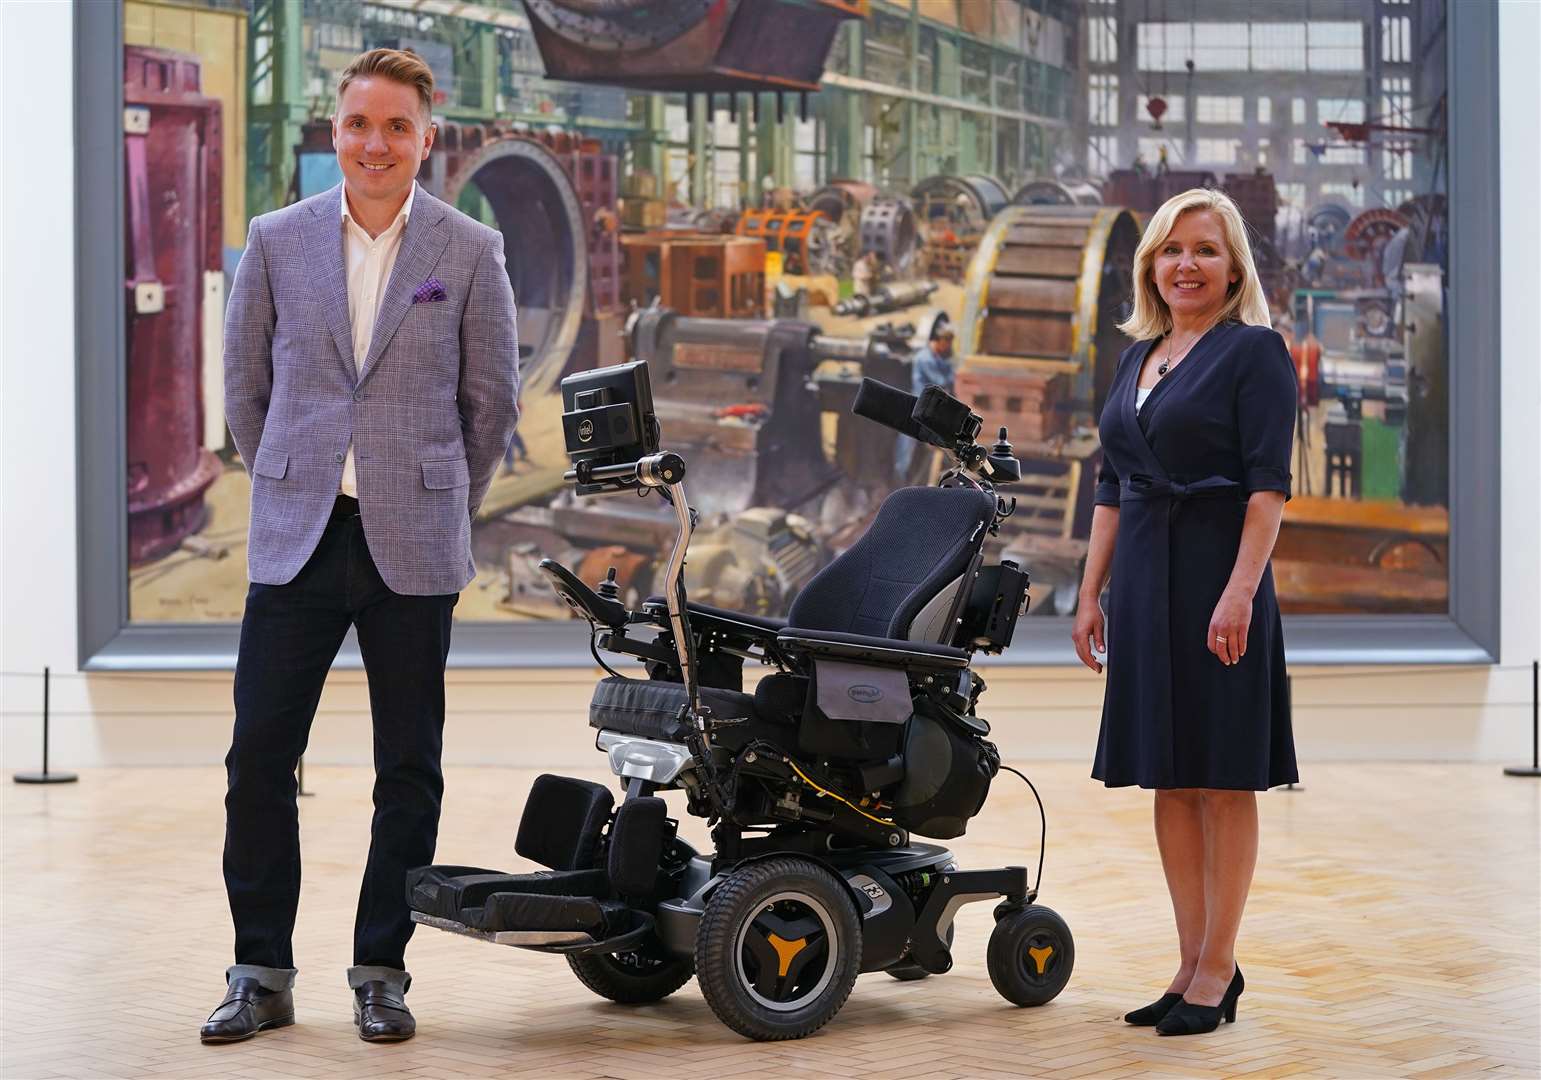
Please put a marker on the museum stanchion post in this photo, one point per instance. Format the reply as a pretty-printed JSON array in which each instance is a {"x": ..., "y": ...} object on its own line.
[
  {"x": 45, "y": 777},
  {"x": 1534, "y": 768}
]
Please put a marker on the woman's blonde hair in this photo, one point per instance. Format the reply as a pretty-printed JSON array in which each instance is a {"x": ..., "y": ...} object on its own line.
[{"x": 1244, "y": 298}]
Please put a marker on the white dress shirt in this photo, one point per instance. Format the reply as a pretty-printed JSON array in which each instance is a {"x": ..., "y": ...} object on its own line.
[{"x": 369, "y": 261}]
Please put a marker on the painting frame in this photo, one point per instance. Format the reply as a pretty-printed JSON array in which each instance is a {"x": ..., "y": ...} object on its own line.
[{"x": 1467, "y": 634}]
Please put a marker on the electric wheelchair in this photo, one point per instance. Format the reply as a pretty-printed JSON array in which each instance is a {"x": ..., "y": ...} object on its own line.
[{"x": 863, "y": 733}]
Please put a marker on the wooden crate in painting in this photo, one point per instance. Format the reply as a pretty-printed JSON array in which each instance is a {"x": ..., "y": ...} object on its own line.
[
  {"x": 706, "y": 276},
  {"x": 1026, "y": 401}
]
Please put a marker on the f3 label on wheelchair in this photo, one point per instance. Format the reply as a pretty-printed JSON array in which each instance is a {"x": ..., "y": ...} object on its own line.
[{"x": 863, "y": 734}]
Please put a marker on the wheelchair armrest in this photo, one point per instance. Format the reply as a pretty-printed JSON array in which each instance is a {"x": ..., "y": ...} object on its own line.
[
  {"x": 752, "y": 626},
  {"x": 894, "y": 652}
]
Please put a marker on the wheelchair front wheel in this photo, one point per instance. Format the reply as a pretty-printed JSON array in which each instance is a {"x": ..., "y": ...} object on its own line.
[
  {"x": 778, "y": 949},
  {"x": 1031, "y": 955},
  {"x": 638, "y": 977}
]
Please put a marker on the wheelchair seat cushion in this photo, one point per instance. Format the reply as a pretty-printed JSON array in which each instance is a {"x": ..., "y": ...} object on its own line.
[
  {"x": 461, "y": 892},
  {"x": 650, "y": 708}
]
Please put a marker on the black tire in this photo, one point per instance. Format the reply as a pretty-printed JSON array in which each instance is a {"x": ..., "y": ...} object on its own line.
[
  {"x": 1031, "y": 956},
  {"x": 907, "y": 970},
  {"x": 734, "y": 949},
  {"x": 638, "y": 977}
]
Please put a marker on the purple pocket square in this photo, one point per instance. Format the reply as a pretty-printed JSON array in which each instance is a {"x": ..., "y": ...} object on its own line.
[{"x": 430, "y": 291}]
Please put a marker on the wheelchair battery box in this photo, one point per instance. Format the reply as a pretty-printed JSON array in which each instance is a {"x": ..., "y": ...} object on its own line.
[{"x": 997, "y": 598}]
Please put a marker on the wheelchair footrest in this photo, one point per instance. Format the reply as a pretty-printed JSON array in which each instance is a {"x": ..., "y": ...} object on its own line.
[
  {"x": 635, "y": 927},
  {"x": 490, "y": 901},
  {"x": 522, "y": 938}
]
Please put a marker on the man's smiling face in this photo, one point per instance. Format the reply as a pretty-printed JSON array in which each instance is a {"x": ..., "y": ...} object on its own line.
[{"x": 382, "y": 135}]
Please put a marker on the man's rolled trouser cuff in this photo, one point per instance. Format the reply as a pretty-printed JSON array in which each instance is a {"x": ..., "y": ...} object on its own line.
[
  {"x": 268, "y": 978},
  {"x": 395, "y": 978}
]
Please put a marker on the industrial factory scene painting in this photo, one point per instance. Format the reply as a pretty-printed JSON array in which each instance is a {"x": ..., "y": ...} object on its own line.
[{"x": 768, "y": 200}]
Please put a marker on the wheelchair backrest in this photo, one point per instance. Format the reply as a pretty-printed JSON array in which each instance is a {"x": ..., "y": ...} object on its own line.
[{"x": 905, "y": 569}]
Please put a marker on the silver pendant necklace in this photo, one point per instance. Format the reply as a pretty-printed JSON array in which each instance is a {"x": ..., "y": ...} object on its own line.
[{"x": 1166, "y": 365}]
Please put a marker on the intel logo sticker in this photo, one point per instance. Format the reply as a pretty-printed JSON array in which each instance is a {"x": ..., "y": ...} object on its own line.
[{"x": 864, "y": 694}]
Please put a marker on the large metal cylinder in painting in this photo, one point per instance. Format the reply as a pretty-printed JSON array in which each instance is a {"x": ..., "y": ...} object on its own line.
[
  {"x": 1046, "y": 192},
  {"x": 887, "y": 226},
  {"x": 808, "y": 241},
  {"x": 553, "y": 196},
  {"x": 174, "y": 294},
  {"x": 965, "y": 202},
  {"x": 1042, "y": 300}
]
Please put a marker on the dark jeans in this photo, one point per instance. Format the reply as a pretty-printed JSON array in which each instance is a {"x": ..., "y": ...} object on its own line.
[{"x": 289, "y": 637}]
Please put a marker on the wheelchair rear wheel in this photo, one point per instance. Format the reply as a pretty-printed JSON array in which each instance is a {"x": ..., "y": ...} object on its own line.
[
  {"x": 638, "y": 977},
  {"x": 778, "y": 949},
  {"x": 1031, "y": 955}
]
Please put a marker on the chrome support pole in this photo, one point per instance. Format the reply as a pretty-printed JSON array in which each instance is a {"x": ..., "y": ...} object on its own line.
[{"x": 674, "y": 596}]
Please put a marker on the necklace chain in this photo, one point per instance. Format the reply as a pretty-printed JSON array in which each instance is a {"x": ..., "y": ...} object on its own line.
[{"x": 1167, "y": 364}]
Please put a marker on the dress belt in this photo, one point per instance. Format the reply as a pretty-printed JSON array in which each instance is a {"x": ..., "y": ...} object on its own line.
[{"x": 1151, "y": 488}]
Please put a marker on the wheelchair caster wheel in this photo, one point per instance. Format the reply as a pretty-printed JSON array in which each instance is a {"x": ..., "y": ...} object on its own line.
[
  {"x": 632, "y": 978},
  {"x": 778, "y": 949},
  {"x": 1031, "y": 955},
  {"x": 908, "y": 971}
]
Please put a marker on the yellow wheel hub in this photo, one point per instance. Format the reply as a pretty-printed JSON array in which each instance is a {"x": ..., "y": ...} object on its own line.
[
  {"x": 1041, "y": 956},
  {"x": 785, "y": 951}
]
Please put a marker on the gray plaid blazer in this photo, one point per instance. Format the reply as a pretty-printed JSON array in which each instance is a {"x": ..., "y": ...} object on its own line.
[{"x": 430, "y": 414}]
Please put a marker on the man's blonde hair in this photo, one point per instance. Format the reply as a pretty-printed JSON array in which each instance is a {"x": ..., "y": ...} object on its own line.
[
  {"x": 394, "y": 64},
  {"x": 1244, "y": 299}
]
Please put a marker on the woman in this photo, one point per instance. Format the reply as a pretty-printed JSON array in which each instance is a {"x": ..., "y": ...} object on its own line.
[{"x": 1196, "y": 438}]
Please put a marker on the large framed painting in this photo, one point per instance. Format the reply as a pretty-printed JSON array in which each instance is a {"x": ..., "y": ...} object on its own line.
[{"x": 766, "y": 241}]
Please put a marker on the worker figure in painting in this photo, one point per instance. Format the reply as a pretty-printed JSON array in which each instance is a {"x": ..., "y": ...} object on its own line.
[
  {"x": 930, "y": 366},
  {"x": 371, "y": 375},
  {"x": 865, "y": 272}
]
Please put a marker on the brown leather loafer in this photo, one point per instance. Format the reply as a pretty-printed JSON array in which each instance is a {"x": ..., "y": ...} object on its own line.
[
  {"x": 381, "y": 1014},
  {"x": 246, "y": 1010}
]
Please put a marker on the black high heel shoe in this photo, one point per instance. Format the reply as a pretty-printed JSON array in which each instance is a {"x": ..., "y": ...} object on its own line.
[
  {"x": 1186, "y": 1018},
  {"x": 1152, "y": 1014}
]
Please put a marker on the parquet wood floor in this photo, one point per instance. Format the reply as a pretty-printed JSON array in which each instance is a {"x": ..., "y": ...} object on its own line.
[{"x": 1393, "y": 931}]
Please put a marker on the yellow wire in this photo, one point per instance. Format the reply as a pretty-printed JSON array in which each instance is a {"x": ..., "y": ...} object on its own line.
[{"x": 838, "y": 798}]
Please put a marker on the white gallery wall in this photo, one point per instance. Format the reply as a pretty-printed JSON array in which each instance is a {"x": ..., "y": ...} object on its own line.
[{"x": 538, "y": 717}]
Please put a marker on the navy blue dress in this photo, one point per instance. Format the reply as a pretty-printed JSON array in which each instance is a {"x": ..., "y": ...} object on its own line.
[{"x": 1218, "y": 427}]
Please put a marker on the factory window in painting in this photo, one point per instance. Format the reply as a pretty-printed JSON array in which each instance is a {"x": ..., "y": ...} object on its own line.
[{"x": 767, "y": 238}]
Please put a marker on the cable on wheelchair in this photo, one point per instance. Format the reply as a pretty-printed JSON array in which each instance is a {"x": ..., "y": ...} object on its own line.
[
  {"x": 1043, "y": 835},
  {"x": 594, "y": 633},
  {"x": 765, "y": 749},
  {"x": 837, "y": 796}
]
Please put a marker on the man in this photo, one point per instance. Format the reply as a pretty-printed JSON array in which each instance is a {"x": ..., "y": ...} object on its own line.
[
  {"x": 931, "y": 365},
  {"x": 371, "y": 381}
]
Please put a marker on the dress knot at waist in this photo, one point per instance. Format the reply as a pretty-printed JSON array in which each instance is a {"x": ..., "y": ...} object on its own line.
[{"x": 1174, "y": 493}]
